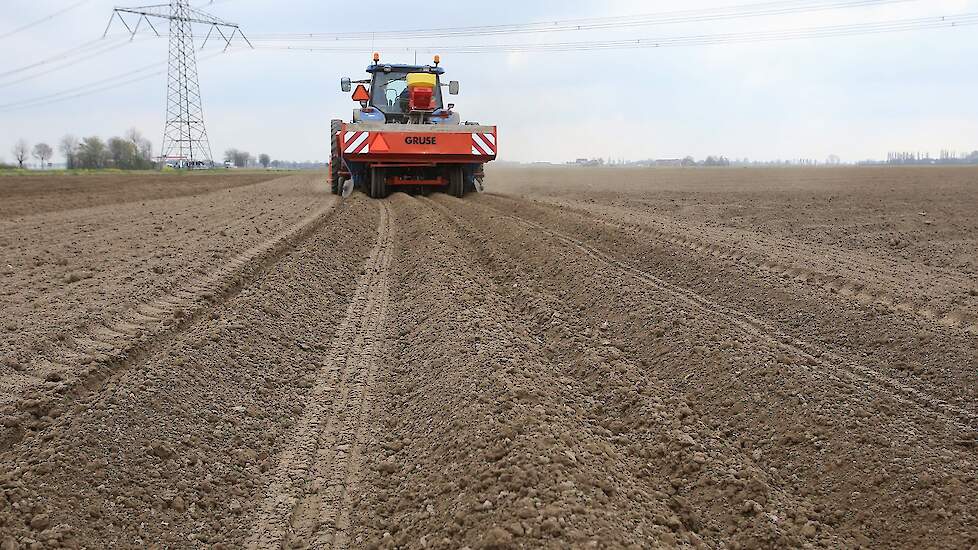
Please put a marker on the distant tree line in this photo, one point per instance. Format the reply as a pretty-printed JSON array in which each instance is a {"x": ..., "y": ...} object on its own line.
[
  {"x": 715, "y": 161},
  {"x": 711, "y": 160},
  {"x": 130, "y": 152},
  {"x": 946, "y": 157},
  {"x": 297, "y": 165},
  {"x": 244, "y": 159}
]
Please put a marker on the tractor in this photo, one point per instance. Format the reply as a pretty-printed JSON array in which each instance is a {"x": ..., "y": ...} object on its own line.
[{"x": 405, "y": 137}]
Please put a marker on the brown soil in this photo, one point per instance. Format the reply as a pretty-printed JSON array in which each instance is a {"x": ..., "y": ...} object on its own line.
[
  {"x": 707, "y": 359},
  {"x": 37, "y": 193}
]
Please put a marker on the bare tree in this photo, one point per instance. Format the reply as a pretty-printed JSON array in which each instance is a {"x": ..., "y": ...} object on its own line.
[
  {"x": 69, "y": 148},
  {"x": 42, "y": 152},
  {"x": 146, "y": 152},
  {"x": 20, "y": 151},
  {"x": 134, "y": 137}
]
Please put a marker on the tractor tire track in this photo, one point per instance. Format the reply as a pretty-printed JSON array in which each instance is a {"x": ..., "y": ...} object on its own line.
[
  {"x": 834, "y": 366},
  {"x": 308, "y": 500},
  {"x": 71, "y": 370}
]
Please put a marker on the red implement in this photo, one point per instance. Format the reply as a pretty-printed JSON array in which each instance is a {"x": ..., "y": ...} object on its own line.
[{"x": 412, "y": 144}]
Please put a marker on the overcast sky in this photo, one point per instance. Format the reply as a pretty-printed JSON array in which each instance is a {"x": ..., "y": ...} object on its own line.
[{"x": 857, "y": 97}]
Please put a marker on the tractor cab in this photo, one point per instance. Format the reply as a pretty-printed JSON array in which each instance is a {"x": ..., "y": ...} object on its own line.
[{"x": 403, "y": 94}]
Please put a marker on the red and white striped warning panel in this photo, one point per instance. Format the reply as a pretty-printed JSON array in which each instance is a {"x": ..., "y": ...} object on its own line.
[
  {"x": 357, "y": 143},
  {"x": 484, "y": 144}
]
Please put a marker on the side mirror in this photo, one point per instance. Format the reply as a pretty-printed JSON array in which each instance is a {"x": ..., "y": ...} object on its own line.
[
  {"x": 346, "y": 85},
  {"x": 453, "y": 87}
]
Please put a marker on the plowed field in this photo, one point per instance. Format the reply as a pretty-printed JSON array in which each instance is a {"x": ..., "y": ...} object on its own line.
[{"x": 579, "y": 358}]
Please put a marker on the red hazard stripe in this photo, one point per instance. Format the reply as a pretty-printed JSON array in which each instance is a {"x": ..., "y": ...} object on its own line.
[
  {"x": 484, "y": 144},
  {"x": 355, "y": 142}
]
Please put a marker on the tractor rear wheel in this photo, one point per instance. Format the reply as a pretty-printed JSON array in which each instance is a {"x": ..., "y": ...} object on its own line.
[
  {"x": 378, "y": 183},
  {"x": 335, "y": 162},
  {"x": 456, "y": 181}
]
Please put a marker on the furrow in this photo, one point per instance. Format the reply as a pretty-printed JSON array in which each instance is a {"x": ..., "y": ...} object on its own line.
[
  {"x": 832, "y": 363},
  {"x": 144, "y": 326}
]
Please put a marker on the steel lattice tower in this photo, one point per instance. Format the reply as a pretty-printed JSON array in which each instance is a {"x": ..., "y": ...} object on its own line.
[{"x": 184, "y": 134}]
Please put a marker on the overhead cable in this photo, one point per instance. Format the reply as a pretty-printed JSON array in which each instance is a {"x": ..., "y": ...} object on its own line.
[
  {"x": 44, "y": 19},
  {"x": 789, "y": 7}
]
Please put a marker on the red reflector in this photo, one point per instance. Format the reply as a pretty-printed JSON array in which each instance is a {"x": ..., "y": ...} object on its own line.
[
  {"x": 422, "y": 98},
  {"x": 360, "y": 94},
  {"x": 379, "y": 145}
]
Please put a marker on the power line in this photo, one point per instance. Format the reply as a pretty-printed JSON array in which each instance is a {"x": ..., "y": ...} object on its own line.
[
  {"x": 95, "y": 87},
  {"x": 8, "y": 108},
  {"x": 44, "y": 19},
  {"x": 76, "y": 50},
  {"x": 96, "y": 83},
  {"x": 858, "y": 29},
  {"x": 66, "y": 62},
  {"x": 783, "y": 7},
  {"x": 790, "y": 7}
]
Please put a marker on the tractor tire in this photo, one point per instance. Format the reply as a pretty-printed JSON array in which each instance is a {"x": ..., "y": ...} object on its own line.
[
  {"x": 456, "y": 181},
  {"x": 378, "y": 183},
  {"x": 335, "y": 162}
]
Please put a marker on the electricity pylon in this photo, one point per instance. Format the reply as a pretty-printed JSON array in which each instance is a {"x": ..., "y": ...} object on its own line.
[{"x": 185, "y": 139}]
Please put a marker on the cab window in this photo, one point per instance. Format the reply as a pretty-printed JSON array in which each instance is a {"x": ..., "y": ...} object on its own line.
[{"x": 390, "y": 93}]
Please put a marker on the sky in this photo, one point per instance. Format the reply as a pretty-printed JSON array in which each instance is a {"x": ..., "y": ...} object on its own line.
[{"x": 857, "y": 97}]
